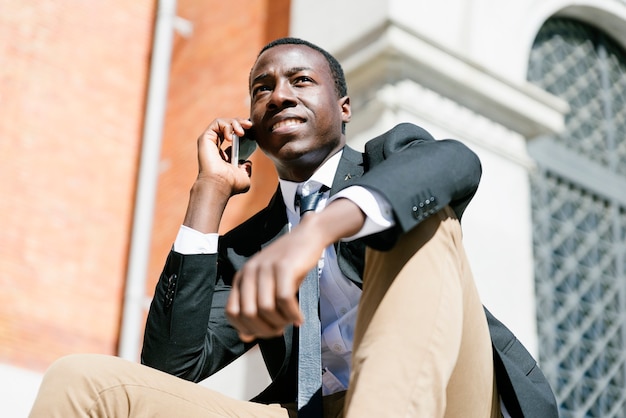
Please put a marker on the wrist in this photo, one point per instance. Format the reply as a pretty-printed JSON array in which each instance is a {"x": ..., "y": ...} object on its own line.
[
  {"x": 340, "y": 219},
  {"x": 213, "y": 188}
]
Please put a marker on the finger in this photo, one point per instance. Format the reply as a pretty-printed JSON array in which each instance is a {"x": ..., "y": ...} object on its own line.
[
  {"x": 220, "y": 132},
  {"x": 266, "y": 302},
  {"x": 209, "y": 138},
  {"x": 230, "y": 127},
  {"x": 286, "y": 297},
  {"x": 232, "y": 307},
  {"x": 227, "y": 154},
  {"x": 240, "y": 125},
  {"x": 208, "y": 145},
  {"x": 249, "y": 315},
  {"x": 247, "y": 166},
  {"x": 247, "y": 338},
  {"x": 233, "y": 310}
]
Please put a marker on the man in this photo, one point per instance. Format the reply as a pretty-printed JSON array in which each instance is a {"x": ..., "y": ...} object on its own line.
[{"x": 403, "y": 329}]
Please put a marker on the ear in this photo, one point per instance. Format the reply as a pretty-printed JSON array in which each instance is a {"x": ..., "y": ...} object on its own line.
[{"x": 346, "y": 111}]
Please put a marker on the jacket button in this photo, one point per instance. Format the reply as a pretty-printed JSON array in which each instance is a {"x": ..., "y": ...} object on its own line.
[
  {"x": 416, "y": 212},
  {"x": 171, "y": 289}
]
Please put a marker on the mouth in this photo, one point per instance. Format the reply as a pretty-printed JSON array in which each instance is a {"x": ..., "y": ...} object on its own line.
[{"x": 285, "y": 123}]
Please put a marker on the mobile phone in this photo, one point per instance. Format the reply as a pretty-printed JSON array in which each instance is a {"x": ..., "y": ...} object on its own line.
[{"x": 242, "y": 147}]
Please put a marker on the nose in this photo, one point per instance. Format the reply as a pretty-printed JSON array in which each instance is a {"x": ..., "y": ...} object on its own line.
[{"x": 283, "y": 95}]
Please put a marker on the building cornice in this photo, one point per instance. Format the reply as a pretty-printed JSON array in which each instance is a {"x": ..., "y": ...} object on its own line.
[{"x": 392, "y": 53}]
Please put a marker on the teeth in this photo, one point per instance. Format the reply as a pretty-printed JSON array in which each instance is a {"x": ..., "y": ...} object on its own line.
[{"x": 286, "y": 122}]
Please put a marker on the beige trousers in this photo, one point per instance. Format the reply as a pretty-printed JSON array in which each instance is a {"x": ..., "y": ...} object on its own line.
[{"x": 422, "y": 349}]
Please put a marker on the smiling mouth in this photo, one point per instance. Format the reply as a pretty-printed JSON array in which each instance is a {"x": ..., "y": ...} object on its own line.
[{"x": 286, "y": 122}]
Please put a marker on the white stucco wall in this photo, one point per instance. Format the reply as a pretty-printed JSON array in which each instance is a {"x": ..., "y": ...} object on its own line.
[{"x": 18, "y": 389}]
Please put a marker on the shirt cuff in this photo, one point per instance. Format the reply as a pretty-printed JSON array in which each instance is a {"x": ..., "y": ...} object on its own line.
[
  {"x": 189, "y": 242},
  {"x": 378, "y": 212}
]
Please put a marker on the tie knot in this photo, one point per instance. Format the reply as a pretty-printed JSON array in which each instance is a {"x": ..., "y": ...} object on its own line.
[{"x": 309, "y": 202}]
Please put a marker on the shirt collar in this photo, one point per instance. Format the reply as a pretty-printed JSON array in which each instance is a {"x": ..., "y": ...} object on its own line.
[{"x": 323, "y": 176}]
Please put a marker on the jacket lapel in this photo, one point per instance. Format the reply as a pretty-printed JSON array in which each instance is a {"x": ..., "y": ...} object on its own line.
[
  {"x": 350, "y": 255},
  {"x": 276, "y": 223},
  {"x": 349, "y": 169}
]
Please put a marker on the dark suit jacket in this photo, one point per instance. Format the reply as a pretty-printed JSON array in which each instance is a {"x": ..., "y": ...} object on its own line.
[{"x": 187, "y": 333}]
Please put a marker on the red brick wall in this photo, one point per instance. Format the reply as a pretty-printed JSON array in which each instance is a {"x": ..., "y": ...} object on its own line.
[
  {"x": 73, "y": 78},
  {"x": 72, "y": 87},
  {"x": 209, "y": 79}
]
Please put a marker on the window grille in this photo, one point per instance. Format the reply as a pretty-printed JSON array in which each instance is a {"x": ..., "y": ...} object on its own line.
[{"x": 579, "y": 220}]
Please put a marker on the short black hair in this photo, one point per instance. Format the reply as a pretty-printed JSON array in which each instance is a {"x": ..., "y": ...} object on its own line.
[{"x": 335, "y": 68}]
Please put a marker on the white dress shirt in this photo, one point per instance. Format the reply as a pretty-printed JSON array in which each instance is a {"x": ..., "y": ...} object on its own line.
[{"x": 339, "y": 297}]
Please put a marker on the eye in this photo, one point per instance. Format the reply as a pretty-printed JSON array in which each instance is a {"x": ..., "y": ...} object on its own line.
[
  {"x": 260, "y": 89},
  {"x": 303, "y": 79}
]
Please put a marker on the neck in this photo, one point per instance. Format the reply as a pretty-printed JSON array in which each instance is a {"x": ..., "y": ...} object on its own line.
[{"x": 303, "y": 168}]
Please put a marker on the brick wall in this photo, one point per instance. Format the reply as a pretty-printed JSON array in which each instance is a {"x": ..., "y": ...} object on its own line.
[
  {"x": 73, "y": 78},
  {"x": 72, "y": 87},
  {"x": 209, "y": 79}
]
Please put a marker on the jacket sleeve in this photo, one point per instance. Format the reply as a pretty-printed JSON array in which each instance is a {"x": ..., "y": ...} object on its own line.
[
  {"x": 187, "y": 333},
  {"x": 419, "y": 176}
]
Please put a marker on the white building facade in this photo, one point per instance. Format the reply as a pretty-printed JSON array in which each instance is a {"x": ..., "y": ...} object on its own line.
[{"x": 538, "y": 90}]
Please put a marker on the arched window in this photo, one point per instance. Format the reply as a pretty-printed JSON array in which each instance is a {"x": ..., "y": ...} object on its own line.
[{"x": 579, "y": 220}]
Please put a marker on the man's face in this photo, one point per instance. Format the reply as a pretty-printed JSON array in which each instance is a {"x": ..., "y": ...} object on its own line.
[{"x": 296, "y": 114}]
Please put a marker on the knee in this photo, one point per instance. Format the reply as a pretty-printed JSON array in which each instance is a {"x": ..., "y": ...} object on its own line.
[
  {"x": 68, "y": 384},
  {"x": 75, "y": 367}
]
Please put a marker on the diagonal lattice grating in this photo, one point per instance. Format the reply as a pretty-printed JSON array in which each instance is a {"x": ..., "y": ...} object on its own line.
[
  {"x": 580, "y": 299},
  {"x": 579, "y": 230},
  {"x": 582, "y": 66}
]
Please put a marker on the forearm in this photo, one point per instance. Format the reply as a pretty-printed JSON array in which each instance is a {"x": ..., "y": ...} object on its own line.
[
  {"x": 207, "y": 201},
  {"x": 342, "y": 218}
]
